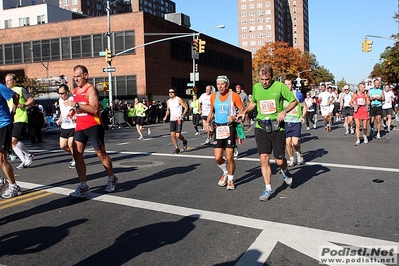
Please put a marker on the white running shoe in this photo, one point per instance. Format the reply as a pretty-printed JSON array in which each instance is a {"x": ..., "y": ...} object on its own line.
[
  {"x": 21, "y": 166},
  {"x": 352, "y": 131},
  {"x": 111, "y": 183},
  {"x": 149, "y": 131},
  {"x": 299, "y": 158},
  {"x": 314, "y": 126},
  {"x": 291, "y": 162},
  {"x": 207, "y": 141},
  {"x": 357, "y": 142},
  {"x": 308, "y": 128},
  {"x": 11, "y": 192},
  {"x": 365, "y": 139},
  {"x": 287, "y": 177},
  {"x": 378, "y": 136},
  {"x": 141, "y": 137},
  {"x": 80, "y": 192},
  {"x": 28, "y": 160}
]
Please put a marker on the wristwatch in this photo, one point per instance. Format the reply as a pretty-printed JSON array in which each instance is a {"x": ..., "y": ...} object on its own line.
[{"x": 76, "y": 105}]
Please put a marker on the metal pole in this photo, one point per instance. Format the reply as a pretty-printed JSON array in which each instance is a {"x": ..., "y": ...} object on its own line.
[
  {"x": 109, "y": 63},
  {"x": 194, "y": 64}
]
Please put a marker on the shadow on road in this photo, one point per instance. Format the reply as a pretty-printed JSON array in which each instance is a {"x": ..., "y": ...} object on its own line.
[{"x": 143, "y": 239}]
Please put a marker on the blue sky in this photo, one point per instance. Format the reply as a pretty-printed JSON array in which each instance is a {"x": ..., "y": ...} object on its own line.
[{"x": 337, "y": 29}]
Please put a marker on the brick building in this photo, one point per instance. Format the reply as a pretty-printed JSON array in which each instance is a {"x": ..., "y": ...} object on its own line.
[{"x": 145, "y": 71}]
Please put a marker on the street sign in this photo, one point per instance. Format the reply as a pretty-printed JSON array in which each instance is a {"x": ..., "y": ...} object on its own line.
[
  {"x": 102, "y": 53},
  {"x": 109, "y": 69},
  {"x": 196, "y": 76},
  {"x": 190, "y": 84}
]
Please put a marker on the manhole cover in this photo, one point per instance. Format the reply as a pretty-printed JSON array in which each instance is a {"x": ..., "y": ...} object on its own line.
[{"x": 140, "y": 164}]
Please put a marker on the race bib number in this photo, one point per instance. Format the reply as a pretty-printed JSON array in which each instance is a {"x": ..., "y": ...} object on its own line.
[
  {"x": 361, "y": 101},
  {"x": 268, "y": 107},
  {"x": 293, "y": 112},
  {"x": 222, "y": 132}
]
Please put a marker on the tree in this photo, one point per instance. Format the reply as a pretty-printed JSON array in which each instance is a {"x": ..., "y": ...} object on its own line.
[
  {"x": 388, "y": 68},
  {"x": 285, "y": 60},
  {"x": 342, "y": 83}
]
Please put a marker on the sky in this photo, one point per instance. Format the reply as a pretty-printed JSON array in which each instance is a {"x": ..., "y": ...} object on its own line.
[{"x": 336, "y": 30}]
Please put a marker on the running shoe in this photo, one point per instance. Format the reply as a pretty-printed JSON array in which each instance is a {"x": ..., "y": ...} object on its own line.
[
  {"x": 72, "y": 165},
  {"x": 378, "y": 136},
  {"x": 347, "y": 132},
  {"x": 111, "y": 183},
  {"x": 185, "y": 145},
  {"x": 21, "y": 166},
  {"x": 3, "y": 184},
  {"x": 11, "y": 192},
  {"x": 235, "y": 153},
  {"x": 299, "y": 158},
  {"x": 287, "y": 177},
  {"x": 207, "y": 141},
  {"x": 308, "y": 128},
  {"x": 223, "y": 181},
  {"x": 177, "y": 151},
  {"x": 314, "y": 126},
  {"x": 80, "y": 192},
  {"x": 230, "y": 185},
  {"x": 357, "y": 142},
  {"x": 266, "y": 194},
  {"x": 365, "y": 139},
  {"x": 149, "y": 131},
  {"x": 197, "y": 133},
  {"x": 141, "y": 137},
  {"x": 28, "y": 160},
  {"x": 352, "y": 131},
  {"x": 291, "y": 162}
]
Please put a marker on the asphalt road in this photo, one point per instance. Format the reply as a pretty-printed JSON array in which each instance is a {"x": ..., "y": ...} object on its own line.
[{"x": 168, "y": 209}]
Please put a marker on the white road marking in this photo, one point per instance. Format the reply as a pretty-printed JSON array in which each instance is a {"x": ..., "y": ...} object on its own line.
[
  {"x": 303, "y": 239},
  {"x": 123, "y": 143}
]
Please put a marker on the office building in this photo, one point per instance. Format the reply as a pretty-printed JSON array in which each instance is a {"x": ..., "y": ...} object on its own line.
[{"x": 265, "y": 21}]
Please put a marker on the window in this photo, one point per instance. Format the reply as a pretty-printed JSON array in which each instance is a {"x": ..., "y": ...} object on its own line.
[
  {"x": 55, "y": 49},
  {"x": 86, "y": 46},
  {"x": 268, "y": 27},
  {"x": 41, "y": 19},
  {"x": 260, "y": 12},
  {"x": 259, "y": 5},
  {"x": 65, "y": 48},
  {"x": 244, "y": 36},
  {"x": 294, "y": 3},
  {"x": 244, "y": 43},
  {"x": 253, "y": 43},
  {"x": 260, "y": 27},
  {"x": 259, "y": 20},
  {"x": 66, "y": 2},
  {"x": 76, "y": 47},
  {"x": 8, "y": 23},
  {"x": 252, "y": 21},
  {"x": 251, "y": 6},
  {"x": 74, "y": 2},
  {"x": 251, "y": 13},
  {"x": 45, "y": 50},
  {"x": 268, "y": 34},
  {"x": 260, "y": 35},
  {"x": 244, "y": 21},
  {"x": 243, "y": 14},
  {"x": 243, "y": 6},
  {"x": 24, "y": 22},
  {"x": 268, "y": 4},
  {"x": 252, "y": 35},
  {"x": 244, "y": 29},
  {"x": 268, "y": 11},
  {"x": 260, "y": 42},
  {"x": 27, "y": 53},
  {"x": 268, "y": 19}
]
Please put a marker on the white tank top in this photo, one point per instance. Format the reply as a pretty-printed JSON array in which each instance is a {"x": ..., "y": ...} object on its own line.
[{"x": 175, "y": 109}]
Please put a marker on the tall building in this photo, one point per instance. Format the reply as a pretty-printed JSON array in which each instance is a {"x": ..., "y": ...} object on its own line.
[
  {"x": 261, "y": 22},
  {"x": 32, "y": 12}
]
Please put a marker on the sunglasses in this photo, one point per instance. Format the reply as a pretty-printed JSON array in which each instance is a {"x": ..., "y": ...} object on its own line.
[
  {"x": 61, "y": 93},
  {"x": 171, "y": 92}
]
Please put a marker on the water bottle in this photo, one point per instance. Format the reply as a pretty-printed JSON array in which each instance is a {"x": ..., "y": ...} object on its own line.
[
  {"x": 179, "y": 122},
  {"x": 268, "y": 125}
]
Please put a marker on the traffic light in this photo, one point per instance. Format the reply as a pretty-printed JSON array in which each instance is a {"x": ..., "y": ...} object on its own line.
[
  {"x": 364, "y": 46},
  {"x": 201, "y": 46},
  {"x": 108, "y": 56},
  {"x": 196, "y": 46},
  {"x": 369, "y": 45}
]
